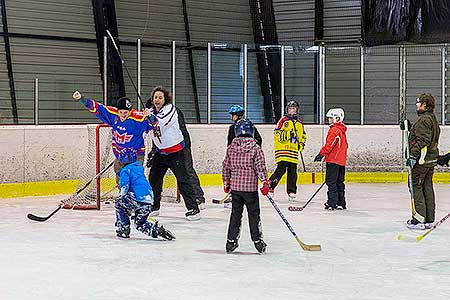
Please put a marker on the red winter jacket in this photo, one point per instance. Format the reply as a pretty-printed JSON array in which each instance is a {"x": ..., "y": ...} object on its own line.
[{"x": 335, "y": 148}]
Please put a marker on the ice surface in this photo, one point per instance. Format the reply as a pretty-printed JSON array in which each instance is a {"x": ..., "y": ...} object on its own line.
[{"x": 76, "y": 255}]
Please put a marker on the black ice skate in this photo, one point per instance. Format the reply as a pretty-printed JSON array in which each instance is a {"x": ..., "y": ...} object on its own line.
[
  {"x": 201, "y": 203},
  {"x": 328, "y": 207},
  {"x": 163, "y": 233},
  {"x": 260, "y": 246},
  {"x": 123, "y": 231},
  {"x": 193, "y": 215},
  {"x": 231, "y": 245}
]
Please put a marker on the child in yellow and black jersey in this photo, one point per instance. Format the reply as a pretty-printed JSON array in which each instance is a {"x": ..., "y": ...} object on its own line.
[{"x": 289, "y": 138}]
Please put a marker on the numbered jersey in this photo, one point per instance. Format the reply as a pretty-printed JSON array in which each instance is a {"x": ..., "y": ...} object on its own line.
[{"x": 289, "y": 137}]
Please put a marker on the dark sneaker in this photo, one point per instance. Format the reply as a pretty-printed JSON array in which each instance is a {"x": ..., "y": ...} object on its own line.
[
  {"x": 123, "y": 231},
  {"x": 260, "y": 246},
  {"x": 231, "y": 245},
  {"x": 193, "y": 215},
  {"x": 340, "y": 207}
]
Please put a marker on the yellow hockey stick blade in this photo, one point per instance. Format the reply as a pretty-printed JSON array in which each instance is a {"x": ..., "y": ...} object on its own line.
[{"x": 307, "y": 247}]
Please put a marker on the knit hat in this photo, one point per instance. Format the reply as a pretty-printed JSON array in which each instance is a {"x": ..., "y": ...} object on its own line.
[{"x": 124, "y": 103}]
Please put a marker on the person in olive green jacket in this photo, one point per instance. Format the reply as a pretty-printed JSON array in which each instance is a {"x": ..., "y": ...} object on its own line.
[{"x": 423, "y": 140}]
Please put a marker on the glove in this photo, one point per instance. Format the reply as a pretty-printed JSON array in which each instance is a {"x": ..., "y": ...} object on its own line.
[
  {"x": 150, "y": 157},
  {"x": 402, "y": 125},
  {"x": 443, "y": 160},
  {"x": 318, "y": 157},
  {"x": 76, "y": 95},
  {"x": 411, "y": 161},
  {"x": 301, "y": 146},
  {"x": 227, "y": 187},
  {"x": 265, "y": 188}
]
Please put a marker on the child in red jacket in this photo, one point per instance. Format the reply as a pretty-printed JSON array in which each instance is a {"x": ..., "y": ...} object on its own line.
[{"x": 335, "y": 153}]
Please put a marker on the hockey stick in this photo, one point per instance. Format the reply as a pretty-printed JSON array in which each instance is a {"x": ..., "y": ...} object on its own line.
[
  {"x": 420, "y": 237},
  {"x": 221, "y": 200},
  {"x": 129, "y": 74},
  {"x": 303, "y": 162},
  {"x": 43, "y": 219},
  {"x": 301, "y": 208},
  {"x": 416, "y": 215},
  {"x": 303, "y": 245}
]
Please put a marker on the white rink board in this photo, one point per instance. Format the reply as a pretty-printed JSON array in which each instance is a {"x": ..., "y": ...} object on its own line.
[{"x": 75, "y": 254}]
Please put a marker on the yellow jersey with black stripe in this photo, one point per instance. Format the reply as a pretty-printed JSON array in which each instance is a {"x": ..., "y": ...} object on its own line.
[{"x": 289, "y": 138}]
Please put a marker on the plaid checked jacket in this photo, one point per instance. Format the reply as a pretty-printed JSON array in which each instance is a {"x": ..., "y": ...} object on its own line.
[{"x": 244, "y": 163}]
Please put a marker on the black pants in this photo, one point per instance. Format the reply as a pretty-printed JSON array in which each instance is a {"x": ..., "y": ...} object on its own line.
[
  {"x": 291, "y": 169},
  {"x": 251, "y": 201},
  {"x": 334, "y": 179},
  {"x": 175, "y": 162},
  {"x": 195, "y": 182}
]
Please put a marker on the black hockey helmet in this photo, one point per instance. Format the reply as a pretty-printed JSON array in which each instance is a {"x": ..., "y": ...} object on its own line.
[{"x": 244, "y": 127}]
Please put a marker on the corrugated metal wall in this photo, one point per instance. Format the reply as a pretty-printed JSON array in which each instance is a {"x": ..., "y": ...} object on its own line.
[
  {"x": 6, "y": 116},
  {"x": 341, "y": 20},
  {"x": 381, "y": 85},
  {"x": 294, "y": 20},
  {"x": 423, "y": 68},
  {"x": 61, "y": 66},
  {"x": 295, "y": 27},
  {"x": 229, "y": 22},
  {"x": 156, "y": 22},
  {"x": 342, "y": 82},
  {"x": 208, "y": 21}
]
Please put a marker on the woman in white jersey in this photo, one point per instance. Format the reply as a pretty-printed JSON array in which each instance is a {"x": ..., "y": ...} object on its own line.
[{"x": 168, "y": 143}]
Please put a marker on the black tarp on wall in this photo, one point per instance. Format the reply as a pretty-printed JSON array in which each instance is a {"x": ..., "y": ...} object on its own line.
[{"x": 393, "y": 21}]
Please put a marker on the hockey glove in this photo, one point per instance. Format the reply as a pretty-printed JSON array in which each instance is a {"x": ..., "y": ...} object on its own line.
[
  {"x": 443, "y": 160},
  {"x": 76, "y": 95},
  {"x": 318, "y": 157},
  {"x": 411, "y": 161},
  {"x": 301, "y": 146},
  {"x": 227, "y": 187},
  {"x": 265, "y": 188},
  {"x": 402, "y": 125}
]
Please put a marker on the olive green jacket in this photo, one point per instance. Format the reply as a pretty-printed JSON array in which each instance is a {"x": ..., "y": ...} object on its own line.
[{"x": 424, "y": 132}]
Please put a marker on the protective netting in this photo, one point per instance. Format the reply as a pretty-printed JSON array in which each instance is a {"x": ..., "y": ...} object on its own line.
[{"x": 94, "y": 190}]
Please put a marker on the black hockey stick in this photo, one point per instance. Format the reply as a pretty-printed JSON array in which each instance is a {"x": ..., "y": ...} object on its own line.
[
  {"x": 303, "y": 245},
  {"x": 303, "y": 162},
  {"x": 300, "y": 208},
  {"x": 221, "y": 200},
  {"x": 43, "y": 219}
]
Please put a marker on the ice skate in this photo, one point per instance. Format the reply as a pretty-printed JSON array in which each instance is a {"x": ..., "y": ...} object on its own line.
[
  {"x": 162, "y": 232},
  {"x": 260, "y": 245},
  {"x": 154, "y": 213},
  {"x": 328, "y": 207},
  {"x": 201, "y": 203},
  {"x": 231, "y": 245},
  {"x": 292, "y": 197},
  {"x": 428, "y": 225},
  {"x": 123, "y": 231},
  {"x": 193, "y": 215},
  {"x": 415, "y": 225}
]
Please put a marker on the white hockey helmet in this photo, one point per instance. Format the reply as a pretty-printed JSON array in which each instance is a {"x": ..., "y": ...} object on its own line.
[{"x": 337, "y": 114}]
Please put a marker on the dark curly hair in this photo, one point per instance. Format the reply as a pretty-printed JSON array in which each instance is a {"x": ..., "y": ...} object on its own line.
[
  {"x": 428, "y": 99},
  {"x": 167, "y": 96}
]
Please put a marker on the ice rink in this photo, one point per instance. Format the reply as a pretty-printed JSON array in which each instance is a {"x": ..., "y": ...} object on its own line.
[{"x": 76, "y": 255}]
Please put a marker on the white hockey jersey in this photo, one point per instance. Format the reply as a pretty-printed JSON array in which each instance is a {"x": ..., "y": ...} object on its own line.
[{"x": 166, "y": 135}]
